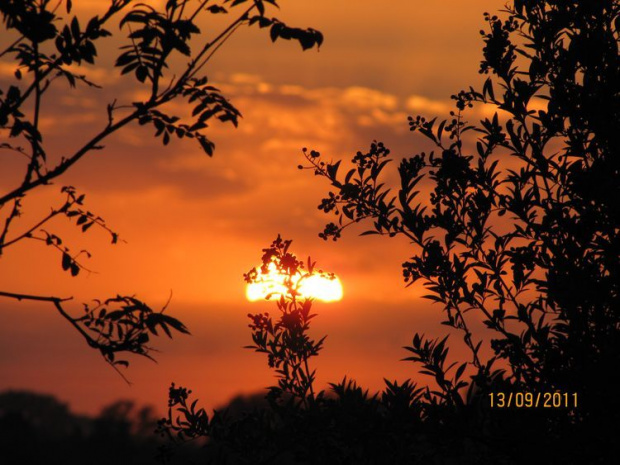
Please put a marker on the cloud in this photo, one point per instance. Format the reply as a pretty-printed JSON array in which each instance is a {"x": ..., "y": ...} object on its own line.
[
  {"x": 428, "y": 106},
  {"x": 364, "y": 98}
]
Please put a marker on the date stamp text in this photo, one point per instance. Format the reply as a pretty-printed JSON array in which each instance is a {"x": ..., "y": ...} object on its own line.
[{"x": 533, "y": 399}]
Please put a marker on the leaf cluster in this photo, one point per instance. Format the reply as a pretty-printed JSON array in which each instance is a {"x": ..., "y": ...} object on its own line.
[{"x": 124, "y": 324}]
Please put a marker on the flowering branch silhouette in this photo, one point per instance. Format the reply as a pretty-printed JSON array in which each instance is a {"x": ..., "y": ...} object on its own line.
[{"x": 285, "y": 340}]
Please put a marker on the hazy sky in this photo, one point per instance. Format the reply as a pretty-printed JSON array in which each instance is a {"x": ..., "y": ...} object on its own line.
[{"x": 194, "y": 225}]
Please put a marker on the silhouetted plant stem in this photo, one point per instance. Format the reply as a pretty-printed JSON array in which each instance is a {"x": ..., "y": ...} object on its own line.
[
  {"x": 57, "y": 302},
  {"x": 40, "y": 298},
  {"x": 29, "y": 231},
  {"x": 7, "y": 223},
  {"x": 310, "y": 379},
  {"x": 67, "y": 163},
  {"x": 194, "y": 67}
]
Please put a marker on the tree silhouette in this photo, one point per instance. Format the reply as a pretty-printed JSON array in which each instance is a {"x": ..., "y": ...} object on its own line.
[
  {"x": 514, "y": 223},
  {"x": 36, "y": 428},
  {"x": 515, "y": 219},
  {"x": 49, "y": 46}
]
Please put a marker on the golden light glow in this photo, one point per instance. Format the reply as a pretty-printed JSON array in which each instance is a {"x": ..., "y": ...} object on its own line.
[{"x": 271, "y": 286}]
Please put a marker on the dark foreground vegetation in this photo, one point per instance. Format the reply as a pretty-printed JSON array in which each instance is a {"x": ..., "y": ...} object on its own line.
[{"x": 514, "y": 222}]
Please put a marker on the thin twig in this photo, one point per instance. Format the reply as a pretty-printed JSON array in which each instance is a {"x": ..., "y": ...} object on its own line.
[{"x": 40, "y": 298}]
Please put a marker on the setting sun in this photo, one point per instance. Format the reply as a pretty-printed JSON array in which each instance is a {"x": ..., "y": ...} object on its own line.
[{"x": 271, "y": 286}]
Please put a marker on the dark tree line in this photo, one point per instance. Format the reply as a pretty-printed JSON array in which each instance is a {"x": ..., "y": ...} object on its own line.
[{"x": 36, "y": 428}]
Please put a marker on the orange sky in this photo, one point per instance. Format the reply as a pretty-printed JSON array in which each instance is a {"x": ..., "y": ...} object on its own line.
[{"x": 194, "y": 225}]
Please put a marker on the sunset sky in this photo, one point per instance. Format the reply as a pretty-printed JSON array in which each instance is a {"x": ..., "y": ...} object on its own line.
[{"x": 193, "y": 225}]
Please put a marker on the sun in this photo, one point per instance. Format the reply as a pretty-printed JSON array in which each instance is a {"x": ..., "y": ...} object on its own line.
[{"x": 271, "y": 286}]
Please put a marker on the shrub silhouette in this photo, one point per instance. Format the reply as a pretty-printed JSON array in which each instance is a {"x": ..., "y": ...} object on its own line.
[
  {"x": 49, "y": 44},
  {"x": 514, "y": 222}
]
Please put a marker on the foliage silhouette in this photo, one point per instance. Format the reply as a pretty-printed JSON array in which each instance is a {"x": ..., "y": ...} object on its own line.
[
  {"x": 286, "y": 342},
  {"x": 295, "y": 424},
  {"x": 288, "y": 346},
  {"x": 49, "y": 44},
  {"x": 522, "y": 229},
  {"x": 514, "y": 223}
]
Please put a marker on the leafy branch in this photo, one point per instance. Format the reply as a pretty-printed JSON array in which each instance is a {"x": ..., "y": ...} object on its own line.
[
  {"x": 51, "y": 43},
  {"x": 118, "y": 325}
]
